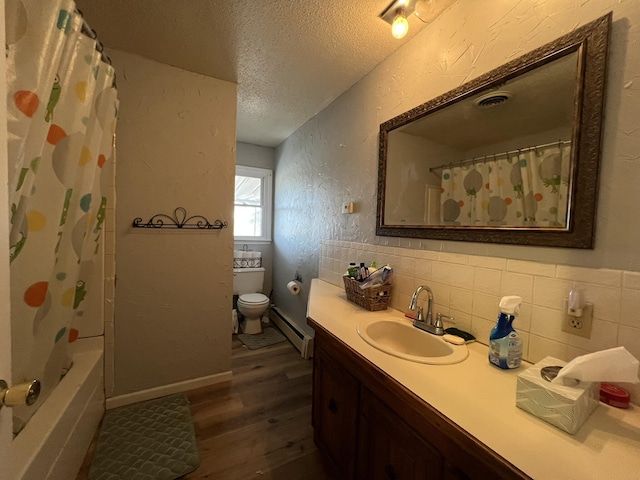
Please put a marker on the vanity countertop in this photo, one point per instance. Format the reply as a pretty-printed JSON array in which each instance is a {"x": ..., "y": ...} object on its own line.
[{"x": 480, "y": 398}]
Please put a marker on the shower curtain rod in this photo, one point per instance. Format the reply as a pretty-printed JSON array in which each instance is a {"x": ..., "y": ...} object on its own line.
[
  {"x": 494, "y": 155},
  {"x": 91, "y": 33}
]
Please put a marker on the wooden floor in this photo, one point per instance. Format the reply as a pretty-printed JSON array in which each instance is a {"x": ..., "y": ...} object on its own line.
[{"x": 258, "y": 425}]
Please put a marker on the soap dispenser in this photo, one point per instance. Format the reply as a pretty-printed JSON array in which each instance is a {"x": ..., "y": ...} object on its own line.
[{"x": 505, "y": 345}]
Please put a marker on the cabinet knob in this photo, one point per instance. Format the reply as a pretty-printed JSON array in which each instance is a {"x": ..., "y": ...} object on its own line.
[
  {"x": 390, "y": 472},
  {"x": 333, "y": 406}
]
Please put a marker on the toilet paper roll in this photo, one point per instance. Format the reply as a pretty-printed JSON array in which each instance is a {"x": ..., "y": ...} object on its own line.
[{"x": 293, "y": 287}]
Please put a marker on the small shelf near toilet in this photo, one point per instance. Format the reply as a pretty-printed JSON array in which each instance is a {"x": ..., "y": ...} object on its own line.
[{"x": 179, "y": 220}]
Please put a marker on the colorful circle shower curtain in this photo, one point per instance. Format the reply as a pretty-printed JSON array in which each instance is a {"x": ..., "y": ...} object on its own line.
[{"x": 62, "y": 108}]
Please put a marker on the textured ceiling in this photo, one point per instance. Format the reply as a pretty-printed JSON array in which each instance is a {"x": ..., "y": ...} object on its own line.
[{"x": 290, "y": 59}]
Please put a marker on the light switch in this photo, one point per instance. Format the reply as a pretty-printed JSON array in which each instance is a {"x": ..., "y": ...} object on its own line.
[{"x": 348, "y": 207}]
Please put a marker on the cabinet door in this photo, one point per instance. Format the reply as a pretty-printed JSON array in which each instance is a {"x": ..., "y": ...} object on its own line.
[
  {"x": 335, "y": 413},
  {"x": 389, "y": 449}
]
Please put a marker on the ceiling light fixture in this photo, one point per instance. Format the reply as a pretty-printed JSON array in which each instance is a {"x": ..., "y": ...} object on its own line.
[{"x": 396, "y": 15}]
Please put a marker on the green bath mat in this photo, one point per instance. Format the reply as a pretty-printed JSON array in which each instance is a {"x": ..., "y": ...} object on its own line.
[
  {"x": 269, "y": 336},
  {"x": 152, "y": 440}
]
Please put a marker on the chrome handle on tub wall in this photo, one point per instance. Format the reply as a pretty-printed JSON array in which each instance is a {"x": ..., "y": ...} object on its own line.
[{"x": 22, "y": 394}]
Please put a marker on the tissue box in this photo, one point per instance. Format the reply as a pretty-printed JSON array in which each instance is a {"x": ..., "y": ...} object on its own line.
[{"x": 565, "y": 407}]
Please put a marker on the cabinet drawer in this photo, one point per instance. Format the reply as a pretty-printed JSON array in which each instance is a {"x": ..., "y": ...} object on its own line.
[{"x": 389, "y": 449}]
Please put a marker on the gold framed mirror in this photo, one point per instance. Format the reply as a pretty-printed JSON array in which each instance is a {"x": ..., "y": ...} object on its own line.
[{"x": 510, "y": 157}]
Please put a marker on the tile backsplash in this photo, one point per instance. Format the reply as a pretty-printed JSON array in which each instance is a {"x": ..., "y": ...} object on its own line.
[{"x": 469, "y": 287}]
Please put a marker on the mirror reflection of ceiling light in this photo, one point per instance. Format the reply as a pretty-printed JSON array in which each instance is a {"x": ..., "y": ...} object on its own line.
[{"x": 396, "y": 15}]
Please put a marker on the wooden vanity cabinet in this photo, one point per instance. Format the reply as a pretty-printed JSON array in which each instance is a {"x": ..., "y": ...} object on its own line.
[
  {"x": 371, "y": 427},
  {"x": 388, "y": 449},
  {"x": 335, "y": 413}
]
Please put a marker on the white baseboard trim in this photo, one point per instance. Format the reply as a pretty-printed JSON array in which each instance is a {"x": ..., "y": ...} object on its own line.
[
  {"x": 300, "y": 339},
  {"x": 156, "y": 392}
]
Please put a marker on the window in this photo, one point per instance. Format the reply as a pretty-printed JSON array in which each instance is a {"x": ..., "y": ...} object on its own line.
[{"x": 252, "y": 211}]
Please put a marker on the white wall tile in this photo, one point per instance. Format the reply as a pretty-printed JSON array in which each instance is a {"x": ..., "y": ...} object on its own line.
[
  {"x": 454, "y": 258},
  {"x": 403, "y": 284},
  {"x": 427, "y": 254},
  {"x": 531, "y": 268},
  {"x": 606, "y": 300},
  {"x": 462, "y": 276},
  {"x": 629, "y": 338},
  {"x": 403, "y": 252},
  {"x": 522, "y": 322},
  {"x": 109, "y": 239},
  {"x": 524, "y": 337},
  {"x": 339, "y": 266},
  {"x": 108, "y": 333},
  {"x": 324, "y": 274},
  {"x": 110, "y": 222},
  {"x": 540, "y": 347},
  {"x": 441, "y": 272},
  {"x": 487, "y": 281},
  {"x": 405, "y": 266},
  {"x": 631, "y": 280},
  {"x": 600, "y": 276},
  {"x": 424, "y": 269},
  {"x": 546, "y": 322},
  {"x": 630, "y": 308},
  {"x": 439, "y": 308},
  {"x": 400, "y": 301},
  {"x": 462, "y": 320},
  {"x": 441, "y": 293},
  {"x": 486, "y": 306},
  {"x": 469, "y": 288},
  {"x": 488, "y": 262},
  {"x": 517, "y": 284},
  {"x": 461, "y": 299},
  {"x": 550, "y": 292},
  {"x": 604, "y": 335},
  {"x": 481, "y": 329}
]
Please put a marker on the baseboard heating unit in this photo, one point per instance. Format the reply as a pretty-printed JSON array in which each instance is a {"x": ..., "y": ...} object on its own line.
[{"x": 300, "y": 339}]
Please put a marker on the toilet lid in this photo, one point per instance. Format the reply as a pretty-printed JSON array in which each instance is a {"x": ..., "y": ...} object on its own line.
[{"x": 253, "y": 298}]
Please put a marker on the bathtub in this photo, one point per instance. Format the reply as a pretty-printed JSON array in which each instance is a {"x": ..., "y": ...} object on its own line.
[{"x": 55, "y": 440}]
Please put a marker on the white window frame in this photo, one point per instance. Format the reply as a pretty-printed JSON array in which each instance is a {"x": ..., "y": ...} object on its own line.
[{"x": 266, "y": 177}]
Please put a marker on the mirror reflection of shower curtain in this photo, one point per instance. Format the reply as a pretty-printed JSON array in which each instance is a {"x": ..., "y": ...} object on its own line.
[
  {"x": 523, "y": 189},
  {"x": 62, "y": 107}
]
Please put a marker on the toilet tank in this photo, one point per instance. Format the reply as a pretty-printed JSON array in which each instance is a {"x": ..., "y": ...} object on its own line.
[{"x": 247, "y": 280}]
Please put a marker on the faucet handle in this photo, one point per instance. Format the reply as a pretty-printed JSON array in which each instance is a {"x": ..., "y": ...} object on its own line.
[
  {"x": 440, "y": 317},
  {"x": 419, "y": 314}
]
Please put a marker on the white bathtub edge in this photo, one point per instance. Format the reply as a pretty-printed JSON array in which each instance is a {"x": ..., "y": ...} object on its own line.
[{"x": 51, "y": 433}]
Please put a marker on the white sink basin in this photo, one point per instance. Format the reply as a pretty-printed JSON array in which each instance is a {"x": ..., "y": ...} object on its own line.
[{"x": 401, "y": 339}]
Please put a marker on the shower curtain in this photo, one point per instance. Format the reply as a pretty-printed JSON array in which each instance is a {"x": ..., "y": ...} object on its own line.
[
  {"x": 522, "y": 189},
  {"x": 62, "y": 108}
]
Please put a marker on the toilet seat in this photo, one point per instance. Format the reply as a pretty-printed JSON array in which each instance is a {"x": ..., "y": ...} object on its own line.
[{"x": 253, "y": 299}]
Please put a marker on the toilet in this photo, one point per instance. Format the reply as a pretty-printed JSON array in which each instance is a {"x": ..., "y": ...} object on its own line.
[{"x": 247, "y": 283}]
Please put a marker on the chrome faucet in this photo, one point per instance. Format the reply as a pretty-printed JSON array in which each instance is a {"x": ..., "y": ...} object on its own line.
[{"x": 427, "y": 324}]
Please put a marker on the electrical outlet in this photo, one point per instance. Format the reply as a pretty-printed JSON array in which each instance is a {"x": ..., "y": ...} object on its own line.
[{"x": 580, "y": 326}]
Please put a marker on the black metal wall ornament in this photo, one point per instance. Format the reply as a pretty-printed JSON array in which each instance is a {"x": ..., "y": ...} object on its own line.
[{"x": 179, "y": 220}]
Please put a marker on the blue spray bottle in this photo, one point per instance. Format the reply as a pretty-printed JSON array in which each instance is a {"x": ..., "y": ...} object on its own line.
[{"x": 505, "y": 345}]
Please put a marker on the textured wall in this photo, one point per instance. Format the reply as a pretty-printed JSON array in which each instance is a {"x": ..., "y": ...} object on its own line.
[
  {"x": 176, "y": 148},
  {"x": 334, "y": 155}
]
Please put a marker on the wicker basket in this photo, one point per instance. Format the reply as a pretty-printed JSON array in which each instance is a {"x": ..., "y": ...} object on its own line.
[{"x": 372, "y": 298}]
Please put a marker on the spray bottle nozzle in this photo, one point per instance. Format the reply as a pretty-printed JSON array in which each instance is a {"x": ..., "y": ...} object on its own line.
[{"x": 510, "y": 304}]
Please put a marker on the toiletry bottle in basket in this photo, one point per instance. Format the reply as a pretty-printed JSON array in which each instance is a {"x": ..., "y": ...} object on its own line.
[{"x": 505, "y": 345}]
